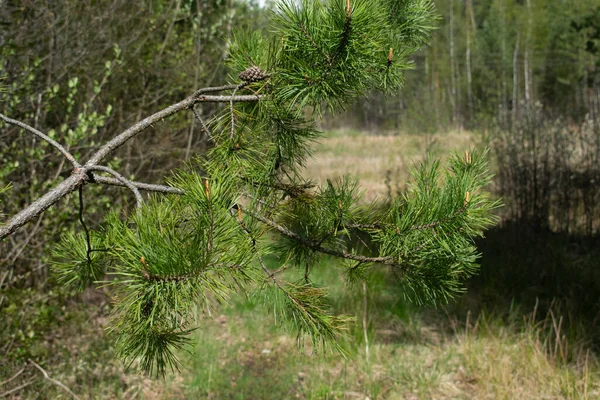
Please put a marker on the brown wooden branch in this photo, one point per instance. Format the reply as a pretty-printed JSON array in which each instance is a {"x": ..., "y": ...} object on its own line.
[
  {"x": 133, "y": 131},
  {"x": 69, "y": 185},
  {"x": 80, "y": 173},
  {"x": 126, "y": 182},
  {"x": 54, "y": 381},
  {"x": 16, "y": 389},
  {"x": 44, "y": 137},
  {"x": 316, "y": 246},
  {"x": 147, "y": 187}
]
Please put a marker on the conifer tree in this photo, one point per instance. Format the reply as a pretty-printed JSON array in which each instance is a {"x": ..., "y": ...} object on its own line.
[{"x": 206, "y": 233}]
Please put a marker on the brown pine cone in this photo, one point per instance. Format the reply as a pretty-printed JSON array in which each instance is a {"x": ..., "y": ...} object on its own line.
[{"x": 252, "y": 74}]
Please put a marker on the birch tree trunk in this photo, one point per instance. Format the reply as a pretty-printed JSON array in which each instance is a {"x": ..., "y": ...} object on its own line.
[
  {"x": 470, "y": 19},
  {"x": 526, "y": 62},
  {"x": 453, "y": 88}
]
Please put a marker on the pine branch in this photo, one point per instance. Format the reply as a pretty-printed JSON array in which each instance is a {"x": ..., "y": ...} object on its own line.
[
  {"x": 80, "y": 173},
  {"x": 190, "y": 246},
  {"x": 316, "y": 246}
]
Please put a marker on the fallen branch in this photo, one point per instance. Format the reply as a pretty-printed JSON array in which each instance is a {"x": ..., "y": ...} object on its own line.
[
  {"x": 54, "y": 381},
  {"x": 16, "y": 389},
  {"x": 12, "y": 378}
]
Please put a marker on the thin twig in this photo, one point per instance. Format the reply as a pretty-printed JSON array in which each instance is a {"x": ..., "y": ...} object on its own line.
[
  {"x": 307, "y": 273},
  {"x": 85, "y": 228},
  {"x": 147, "y": 122},
  {"x": 54, "y": 381},
  {"x": 248, "y": 232},
  {"x": 4, "y": 275},
  {"x": 246, "y": 98},
  {"x": 316, "y": 247},
  {"x": 141, "y": 186},
  {"x": 44, "y": 137},
  {"x": 18, "y": 250},
  {"x": 204, "y": 126},
  {"x": 120, "y": 178},
  {"x": 364, "y": 321},
  {"x": 13, "y": 377},
  {"x": 14, "y": 390}
]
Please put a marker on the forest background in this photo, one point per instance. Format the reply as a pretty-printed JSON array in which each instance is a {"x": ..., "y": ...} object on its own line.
[{"x": 519, "y": 76}]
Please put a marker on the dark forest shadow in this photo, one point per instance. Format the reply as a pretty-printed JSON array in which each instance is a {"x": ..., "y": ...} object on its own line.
[{"x": 529, "y": 269}]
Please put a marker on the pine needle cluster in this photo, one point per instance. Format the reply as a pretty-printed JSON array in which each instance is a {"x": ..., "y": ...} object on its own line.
[{"x": 177, "y": 255}]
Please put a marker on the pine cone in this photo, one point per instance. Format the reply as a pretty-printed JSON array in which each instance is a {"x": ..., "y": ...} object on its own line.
[{"x": 252, "y": 74}]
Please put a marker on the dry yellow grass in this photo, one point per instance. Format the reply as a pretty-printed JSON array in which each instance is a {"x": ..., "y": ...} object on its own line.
[{"x": 370, "y": 158}]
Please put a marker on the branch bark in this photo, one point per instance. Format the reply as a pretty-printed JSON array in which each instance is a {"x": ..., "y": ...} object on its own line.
[
  {"x": 80, "y": 173},
  {"x": 126, "y": 182},
  {"x": 69, "y": 185},
  {"x": 44, "y": 137},
  {"x": 139, "y": 185},
  {"x": 54, "y": 381}
]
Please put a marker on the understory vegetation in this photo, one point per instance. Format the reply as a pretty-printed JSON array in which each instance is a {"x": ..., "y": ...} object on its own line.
[{"x": 506, "y": 338}]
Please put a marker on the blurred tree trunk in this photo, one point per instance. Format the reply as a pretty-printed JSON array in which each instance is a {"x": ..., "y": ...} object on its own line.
[
  {"x": 453, "y": 88},
  {"x": 515, "y": 94},
  {"x": 470, "y": 28},
  {"x": 526, "y": 61}
]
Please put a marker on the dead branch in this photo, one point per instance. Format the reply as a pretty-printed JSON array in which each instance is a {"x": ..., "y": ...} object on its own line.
[
  {"x": 16, "y": 389},
  {"x": 12, "y": 378},
  {"x": 54, "y": 381}
]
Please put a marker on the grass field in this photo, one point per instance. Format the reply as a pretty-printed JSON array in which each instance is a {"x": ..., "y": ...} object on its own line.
[
  {"x": 373, "y": 159},
  {"x": 393, "y": 350}
]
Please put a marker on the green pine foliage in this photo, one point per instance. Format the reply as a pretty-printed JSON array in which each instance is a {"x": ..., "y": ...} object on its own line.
[
  {"x": 173, "y": 258},
  {"x": 77, "y": 263}
]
